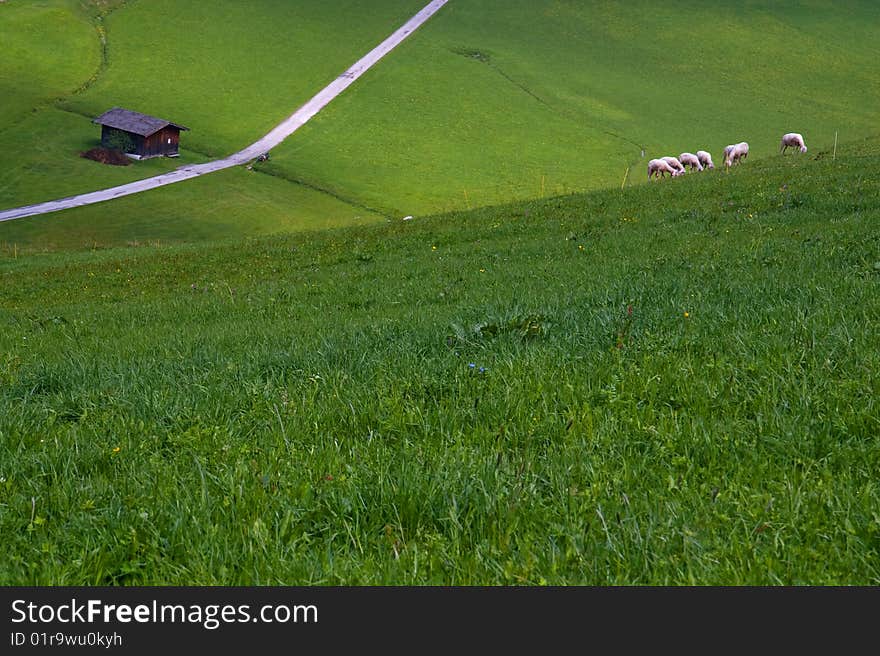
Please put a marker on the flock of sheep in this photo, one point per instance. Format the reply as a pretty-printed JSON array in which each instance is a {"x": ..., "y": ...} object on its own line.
[{"x": 675, "y": 166}]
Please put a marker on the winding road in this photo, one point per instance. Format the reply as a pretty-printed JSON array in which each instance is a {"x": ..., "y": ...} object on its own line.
[{"x": 278, "y": 134}]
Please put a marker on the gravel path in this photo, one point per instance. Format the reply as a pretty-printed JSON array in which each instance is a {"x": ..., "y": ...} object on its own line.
[{"x": 272, "y": 139}]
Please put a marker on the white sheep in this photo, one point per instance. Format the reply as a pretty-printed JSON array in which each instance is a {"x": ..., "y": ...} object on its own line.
[
  {"x": 689, "y": 159},
  {"x": 674, "y": 163},
  {"x": 705, "y": 159},
  {"x": 726, "y": 158},
  {"x": 794, "y": 140},
  {"x": 658, "y": 168},
  {"x": 735, "y": 152}
]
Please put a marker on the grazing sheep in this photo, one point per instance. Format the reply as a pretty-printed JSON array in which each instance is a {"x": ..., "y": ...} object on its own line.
[
  {"x": 727, "y": 151},
  {"x": 658, "y": 168},
  {"x": 674, "y": 163},
  {"x": 689, "y": 159},
  {"x": 794, "y": 140},
  {"x": 735, "y": 152},
  {"x": 705, "y": 159}
]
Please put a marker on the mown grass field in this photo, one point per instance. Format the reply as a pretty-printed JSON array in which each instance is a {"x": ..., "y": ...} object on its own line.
[
  {"x": 669, "y": 384},
  {"x": 486, "y": 103}
]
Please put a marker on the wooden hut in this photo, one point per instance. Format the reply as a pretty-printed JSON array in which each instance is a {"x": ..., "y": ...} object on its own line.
[{"x": 138, "y": 135}]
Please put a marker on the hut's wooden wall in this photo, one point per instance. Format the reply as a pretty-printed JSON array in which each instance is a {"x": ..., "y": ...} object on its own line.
[{"x": 164, "y": 142}]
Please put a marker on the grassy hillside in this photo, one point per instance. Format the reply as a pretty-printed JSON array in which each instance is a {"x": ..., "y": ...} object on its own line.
[
  {"x": 670, "y": 384},
  {"x": 229, "y": 203},
  {"x": 229, "y": 70},
  {"x": 497, "y": 100},
  {"x": 37, "y": 66},
  {"x": 57, "y": 52},
  {"x": 230, "y": 85},
  {"x": 487, "y": 103}
]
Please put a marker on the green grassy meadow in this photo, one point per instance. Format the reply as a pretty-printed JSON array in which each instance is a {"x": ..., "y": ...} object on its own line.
[
  {"x": 38, "y": 38},
  {"x": 556, "y": 373},
  {"x": 675, "y": 384},
  {"x": 233, "y": 89},
  {"x": 564, "y": 96},
  {"x": 487, "y": 103}
]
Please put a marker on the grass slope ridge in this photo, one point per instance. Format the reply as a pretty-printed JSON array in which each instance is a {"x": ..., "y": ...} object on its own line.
[{"x": 674, "y": 384}]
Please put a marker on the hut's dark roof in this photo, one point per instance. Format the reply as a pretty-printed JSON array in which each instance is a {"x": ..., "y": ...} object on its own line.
[{"x": 135, "y": 122}]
